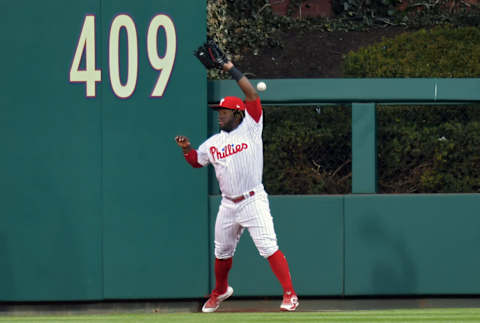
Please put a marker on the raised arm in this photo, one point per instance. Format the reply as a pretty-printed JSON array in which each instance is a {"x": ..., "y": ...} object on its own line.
[
  {"x": 243, "y": 82},
  {"x": 211, "y": 56}
]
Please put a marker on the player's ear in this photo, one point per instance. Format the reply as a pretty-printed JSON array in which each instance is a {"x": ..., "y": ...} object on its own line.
[{"x": 240, "y": 114}]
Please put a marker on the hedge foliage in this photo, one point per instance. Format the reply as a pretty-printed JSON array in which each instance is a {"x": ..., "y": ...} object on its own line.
[
  {"x": 307, "y": 150},
  {"x": 421, "y": 149},
  {"x": 243, "y": 27},
  {"x": 439, "y": 52},
  {"x": 430, "y": 149},
  {"x": 425, "y": 149}
]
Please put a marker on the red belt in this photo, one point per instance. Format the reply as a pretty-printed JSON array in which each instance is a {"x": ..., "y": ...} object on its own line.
[{"x": 240, "y": 198}]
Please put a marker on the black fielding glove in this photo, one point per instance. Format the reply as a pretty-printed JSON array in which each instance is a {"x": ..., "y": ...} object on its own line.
[{"x": 210, "y": 55}]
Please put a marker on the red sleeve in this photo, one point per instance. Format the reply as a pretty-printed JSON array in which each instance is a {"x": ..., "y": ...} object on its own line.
[
  {"x": 254, "y": 109},
  {"x": 191, "y": 158}
]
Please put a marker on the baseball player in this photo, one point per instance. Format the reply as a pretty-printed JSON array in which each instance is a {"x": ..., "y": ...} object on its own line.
[{"x": 236, "y": 153}]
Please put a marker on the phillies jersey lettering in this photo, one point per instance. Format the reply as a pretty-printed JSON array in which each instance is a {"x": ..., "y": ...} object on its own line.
[
  {"x": 237, "y": 156},
  {"x": 227, "y": 150}
]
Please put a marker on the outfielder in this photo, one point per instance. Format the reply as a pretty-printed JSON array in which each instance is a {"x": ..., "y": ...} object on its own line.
[{"x": 236, "y": 153}]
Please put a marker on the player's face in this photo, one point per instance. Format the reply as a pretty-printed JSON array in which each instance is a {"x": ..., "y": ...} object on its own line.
[{"x": 226, "y": 120}]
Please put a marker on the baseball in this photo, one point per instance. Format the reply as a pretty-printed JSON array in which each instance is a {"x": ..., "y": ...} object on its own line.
[{"x": 261, "y": 86}]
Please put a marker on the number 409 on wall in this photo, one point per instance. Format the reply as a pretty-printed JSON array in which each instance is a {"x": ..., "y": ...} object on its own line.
[{"x": 86, "y": 46}]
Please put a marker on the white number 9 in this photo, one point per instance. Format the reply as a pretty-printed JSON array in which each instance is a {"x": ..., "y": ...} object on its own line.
[{"x": 164, "y": 63}]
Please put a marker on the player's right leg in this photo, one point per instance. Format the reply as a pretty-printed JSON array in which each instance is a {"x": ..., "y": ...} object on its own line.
[
  {"x": 213, "y": 302},
  {"x": 227, "y": 235}
]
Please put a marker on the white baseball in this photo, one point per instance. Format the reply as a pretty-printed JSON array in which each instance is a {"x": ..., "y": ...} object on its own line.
[{"x": 261, "y": 86}]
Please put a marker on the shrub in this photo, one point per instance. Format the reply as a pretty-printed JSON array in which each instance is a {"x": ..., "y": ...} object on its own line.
[
  {"x": 428, "y": 149},
  {"x": 439, "y": 52},
  {"x": 307, "y": 150},
  {"x": 421, "y": 149},
  {"x": 432, "y": 149}
]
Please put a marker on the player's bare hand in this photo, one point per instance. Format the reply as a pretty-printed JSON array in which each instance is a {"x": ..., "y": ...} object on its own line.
[
  {"x": 183, "y": 142},
  {"x": 227, "y": 66}
]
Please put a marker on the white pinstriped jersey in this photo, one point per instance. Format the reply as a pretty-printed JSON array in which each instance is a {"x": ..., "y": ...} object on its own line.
[{"x": 237, "y": 156}]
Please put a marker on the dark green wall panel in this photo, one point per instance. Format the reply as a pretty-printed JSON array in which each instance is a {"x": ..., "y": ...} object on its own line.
[
  {"x": 412, "y": 244},
  {"x": 50, "y": 224},
  {"x": 309, "y": 233},
  {"x": 155, "y": 204},
  {"x": 91, "y": 204},
  {"x": 364, "y": 148}
]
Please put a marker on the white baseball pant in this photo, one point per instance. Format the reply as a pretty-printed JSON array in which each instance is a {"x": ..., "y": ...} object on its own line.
[{"x": 253, "y": 213}]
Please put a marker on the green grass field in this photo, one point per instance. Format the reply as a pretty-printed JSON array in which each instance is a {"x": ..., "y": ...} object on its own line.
[{"x": 417, "y": 315}]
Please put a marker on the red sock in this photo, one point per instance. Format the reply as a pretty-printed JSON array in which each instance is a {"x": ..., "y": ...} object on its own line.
[
  {"x": 279, "y": 265},
  {"x": 222, "y": 267}
]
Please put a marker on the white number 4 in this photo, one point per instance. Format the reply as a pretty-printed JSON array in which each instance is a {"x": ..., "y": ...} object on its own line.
[{"x": 86, "y": 43}]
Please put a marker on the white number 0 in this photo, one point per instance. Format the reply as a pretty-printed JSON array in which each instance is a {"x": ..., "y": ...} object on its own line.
[
  {"x": 120, "y": 90},
  {"x": 90, "y": 75}
]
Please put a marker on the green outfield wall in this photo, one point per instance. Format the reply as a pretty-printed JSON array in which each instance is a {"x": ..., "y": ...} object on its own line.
[
  {"x": 412, "y": 244},
  {"x": 95, "y": 199},
  {"x": 310, "y": 234},
  {"x": 367, "y": 245},
  {"x": 97, "y": 202}
]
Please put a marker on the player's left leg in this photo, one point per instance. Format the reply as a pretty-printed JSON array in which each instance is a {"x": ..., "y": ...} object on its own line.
[
  {"x": 279, "y": 266},
  {"x": 258, "y": 220}
]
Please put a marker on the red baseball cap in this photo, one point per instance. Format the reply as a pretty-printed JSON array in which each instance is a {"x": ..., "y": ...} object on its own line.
[{"x": 230, "y": 102}]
